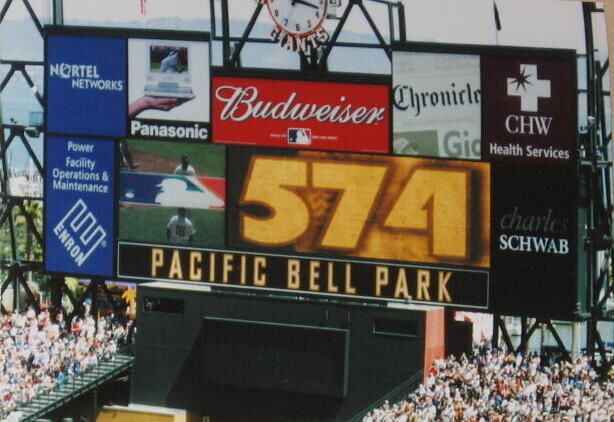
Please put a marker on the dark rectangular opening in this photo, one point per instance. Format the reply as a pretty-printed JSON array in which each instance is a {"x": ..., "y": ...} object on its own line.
[
  {"x": 396, "y": 327},
  {"x": 163, "y": 304},
  {"x": 276, "y": 356}
]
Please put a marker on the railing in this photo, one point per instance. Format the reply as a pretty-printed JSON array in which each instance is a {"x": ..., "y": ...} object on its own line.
[
  {"x": 394, "y": 396},
  {"x": 77, "y": 385}
]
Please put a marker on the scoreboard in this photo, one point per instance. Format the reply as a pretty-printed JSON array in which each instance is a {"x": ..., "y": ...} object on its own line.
[{"x": 453, "y": 181}]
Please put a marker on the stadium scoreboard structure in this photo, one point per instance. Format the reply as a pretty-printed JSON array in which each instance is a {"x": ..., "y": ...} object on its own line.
[{"x": 454, "y": 181}]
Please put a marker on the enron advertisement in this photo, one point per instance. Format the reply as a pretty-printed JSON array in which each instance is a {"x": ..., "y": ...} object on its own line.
[{"x": 278, "y": 112}]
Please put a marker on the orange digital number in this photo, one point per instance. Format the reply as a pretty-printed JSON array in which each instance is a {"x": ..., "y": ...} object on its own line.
[
  {"x": 434, "y": 201},
  {"x": 269, "y": 182},
  {"x": 359, "y": 184}
]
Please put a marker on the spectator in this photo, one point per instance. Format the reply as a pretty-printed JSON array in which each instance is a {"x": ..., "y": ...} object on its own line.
[
  {"x": 494, "y": 386},
  {"x": 37, "y": 353}
]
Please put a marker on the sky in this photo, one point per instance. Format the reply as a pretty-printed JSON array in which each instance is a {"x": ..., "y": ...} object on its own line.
[{"x": 450, "y": 20}]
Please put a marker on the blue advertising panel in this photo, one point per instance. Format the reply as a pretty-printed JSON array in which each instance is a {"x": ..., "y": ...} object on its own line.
[
  {"x": 79, "y": 218},
  {"x": 86, "y": 85}
]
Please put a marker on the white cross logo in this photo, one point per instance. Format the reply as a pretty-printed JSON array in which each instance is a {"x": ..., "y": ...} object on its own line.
[{"x": 528, "y": 87}]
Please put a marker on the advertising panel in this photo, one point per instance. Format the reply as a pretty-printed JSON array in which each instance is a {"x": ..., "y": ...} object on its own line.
[
  {"x": 307, "y": 183},
  {"x": 147, "y": 84},
  {"x": 86, "y": 85},
  {"x": 530, "y": 106},
  {"x": 385, "y": 207},
  {"x": 437, "y": 104},
  {"x": 337, "y": 116},
  {"x": 357, "y": 280},
  {"x": 176, "y": 195},
  {"x": 79, "y": 227},
  {"x": 534, "y": 242},
  {"x": 168, "y": 89}
]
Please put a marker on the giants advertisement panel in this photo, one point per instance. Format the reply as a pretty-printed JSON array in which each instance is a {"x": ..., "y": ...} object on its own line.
[
  {"x": 80, "y": 191},
  {"x": 530, "y": 108},
  {"x": 350, "y": 279},
  {"x": 534, "y": 243},
  {"x": 437, "y": 104},
  {"x": 338, "y": 116},
  {"x": 384, "y": 207}
]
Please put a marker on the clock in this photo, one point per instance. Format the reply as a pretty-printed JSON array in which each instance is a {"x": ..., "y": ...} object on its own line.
[{"x": 298, "y": 17}]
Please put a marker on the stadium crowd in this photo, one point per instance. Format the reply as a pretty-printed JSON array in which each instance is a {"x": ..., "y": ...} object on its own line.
[
  {"x": 38, "y": 352},
  {"x": 495, "y": 386}
]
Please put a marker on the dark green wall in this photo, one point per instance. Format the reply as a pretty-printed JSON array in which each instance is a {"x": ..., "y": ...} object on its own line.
[{"x": 170, "y": 359}]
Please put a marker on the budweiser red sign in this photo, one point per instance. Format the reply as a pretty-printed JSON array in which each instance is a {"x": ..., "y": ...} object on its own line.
[{"x": 301, "y": 114}]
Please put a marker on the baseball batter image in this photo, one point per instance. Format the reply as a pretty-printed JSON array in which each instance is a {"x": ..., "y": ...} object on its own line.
[{"x": 180, "y": 228}]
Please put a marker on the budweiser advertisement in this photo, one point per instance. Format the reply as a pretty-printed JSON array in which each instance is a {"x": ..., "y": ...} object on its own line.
[{"x": 344, "y": 115}]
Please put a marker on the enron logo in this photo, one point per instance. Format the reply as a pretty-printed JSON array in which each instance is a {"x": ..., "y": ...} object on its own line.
[
  {"x": 79, "y": 232},
  {"x": 528, "y": 87}
]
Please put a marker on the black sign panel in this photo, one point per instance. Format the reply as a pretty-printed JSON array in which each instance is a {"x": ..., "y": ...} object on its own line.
[
  {"x": 359, "y": 280},
  {"x": 534, "y": 245}
]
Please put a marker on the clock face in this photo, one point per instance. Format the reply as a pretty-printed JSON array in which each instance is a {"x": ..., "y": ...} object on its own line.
[{"x": 298, "y": 17}]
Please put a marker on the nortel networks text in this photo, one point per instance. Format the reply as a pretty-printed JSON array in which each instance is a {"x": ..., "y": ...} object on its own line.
[
  {"x": 84, "y": 77},
  {"x": 80, "y": 173}
]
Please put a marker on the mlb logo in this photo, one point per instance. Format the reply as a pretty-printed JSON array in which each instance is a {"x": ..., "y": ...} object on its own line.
[{"x": 299, "y": 136}]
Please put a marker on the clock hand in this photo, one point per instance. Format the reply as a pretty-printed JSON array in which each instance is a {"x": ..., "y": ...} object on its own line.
[{"x": 305, "y": 3}]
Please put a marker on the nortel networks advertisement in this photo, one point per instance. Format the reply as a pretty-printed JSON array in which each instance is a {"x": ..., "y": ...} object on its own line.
[
  {"x": 137, "y": 84},
  {"x": 437, "y": 104},
  {"x": 79, "y": 221},
  {"x": 86, "y": 85}
]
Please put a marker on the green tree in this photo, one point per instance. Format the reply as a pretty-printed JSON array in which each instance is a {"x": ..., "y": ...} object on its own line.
[{"x": 28, "y": 247}]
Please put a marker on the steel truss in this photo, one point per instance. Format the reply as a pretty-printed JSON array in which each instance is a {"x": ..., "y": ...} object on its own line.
[
  {"x": 594, "y": 165},
  {"x": 595, "y": 170},
  {"x": 313, "y": 60},
  {"x": 16, "y": 267}
]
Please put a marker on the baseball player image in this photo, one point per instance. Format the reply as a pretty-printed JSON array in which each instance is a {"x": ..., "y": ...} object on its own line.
[
  {"x": 170, "y": 177},
  {"x": 171, "y": 63},
  {"x": 185, "y": 168},
  {"x": 180, "y": 228}
]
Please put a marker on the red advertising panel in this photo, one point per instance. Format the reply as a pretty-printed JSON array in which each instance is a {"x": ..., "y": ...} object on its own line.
[{"x": 336, "y": 116}]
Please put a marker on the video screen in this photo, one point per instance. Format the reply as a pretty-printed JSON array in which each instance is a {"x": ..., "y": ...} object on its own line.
[{"x": 168, "y": 59}]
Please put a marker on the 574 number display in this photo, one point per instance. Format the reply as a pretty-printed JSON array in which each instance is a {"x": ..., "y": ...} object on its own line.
[{"x": 401, "y": 208}]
